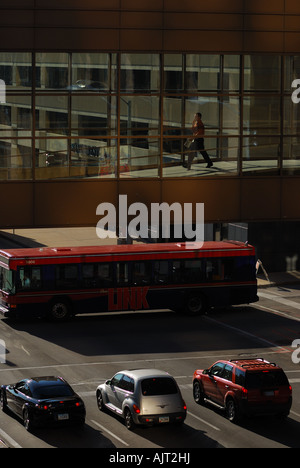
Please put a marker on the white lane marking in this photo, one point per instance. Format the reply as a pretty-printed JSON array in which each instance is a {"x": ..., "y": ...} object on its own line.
[
  {"x": 203, "y": 421},
  {"x": 9, "y": 440},
  {"x": 110, "y": 433},
  {"x": 279, "y": 299}
]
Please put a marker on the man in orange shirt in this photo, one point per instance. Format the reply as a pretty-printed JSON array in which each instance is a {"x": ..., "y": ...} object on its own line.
[{"x": 198, "y": 142}]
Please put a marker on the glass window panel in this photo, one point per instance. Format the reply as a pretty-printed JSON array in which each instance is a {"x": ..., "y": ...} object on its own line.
[
  {"x": 262, "y": 73},
  {"x": 16, "y": 116},
  {"x": 16, "y": 70},
  {"x": 52, "y": 116},
  {"x": 52, "y": 158},
  {"x": 230, "y": 115},
  {"x": 93, "y": 158},
  {"x": 231, "y": 73},
  {"x": 173, "y": 116},
  {"x": 16, "y": 159},
  {"x": 139, "y": 115},
  {"x": 140, "y": 157},
  {"x": 291, "y": 155},
  {"x": 52, "y": 71},
  {"x": 291, "y": 117},
  {"x": 291, "y": 71},
  {"x": 203, "y": 72},
  {"x": 173, "y": 73},
  {"x": 140, "y": 73},
  {"x": 261, "y": 155},
  {"x": 261, "y": 115},
  {"x": 94, "y": 116},
  {"x": 92, "y": 72}
]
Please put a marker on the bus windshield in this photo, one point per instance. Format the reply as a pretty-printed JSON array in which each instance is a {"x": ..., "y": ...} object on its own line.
[{"x": 7, "y": 281}]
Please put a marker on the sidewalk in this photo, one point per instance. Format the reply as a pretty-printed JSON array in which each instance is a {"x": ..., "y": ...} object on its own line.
[{"x": 73, "y": 237}]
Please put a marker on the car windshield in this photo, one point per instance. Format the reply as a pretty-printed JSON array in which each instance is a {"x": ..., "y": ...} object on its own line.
[
  {"x": 158, "y": 386},
  {"x": 266, "y": 379},
  {"x": 52, "y": 391}
]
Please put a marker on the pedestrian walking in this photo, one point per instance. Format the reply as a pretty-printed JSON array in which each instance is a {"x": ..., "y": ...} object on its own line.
[{"x": 198, "y": 130}]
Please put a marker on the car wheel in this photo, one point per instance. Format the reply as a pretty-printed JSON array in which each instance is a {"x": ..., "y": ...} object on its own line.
[
  {"x": 195, "y": 305},
  {"x": 100, "y": 402},
  {"x": 27, "y": 420},
  {"x": 198, "y": 394},
  {"x": 129, "y": 423},
  {"x": 231, "y": 411}
]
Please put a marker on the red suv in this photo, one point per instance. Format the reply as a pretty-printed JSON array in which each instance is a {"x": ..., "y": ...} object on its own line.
[{"x": 244, "y": 387}]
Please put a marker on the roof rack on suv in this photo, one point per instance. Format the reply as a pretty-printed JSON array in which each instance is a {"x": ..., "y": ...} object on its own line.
[{"x": 254, "y": 362}]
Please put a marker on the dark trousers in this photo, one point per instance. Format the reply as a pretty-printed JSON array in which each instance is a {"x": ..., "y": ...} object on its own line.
[{"x": 198, "y": 145}]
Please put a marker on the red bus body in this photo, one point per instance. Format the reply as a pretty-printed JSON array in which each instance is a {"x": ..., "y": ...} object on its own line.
[{"x": 38, "y": 282}]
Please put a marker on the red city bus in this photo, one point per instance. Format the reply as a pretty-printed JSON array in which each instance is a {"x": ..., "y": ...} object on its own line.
[{"x": 61, "y": 282}]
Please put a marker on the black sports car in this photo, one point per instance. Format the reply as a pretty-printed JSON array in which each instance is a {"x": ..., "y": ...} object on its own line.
[{"x": 43, "y": 400}]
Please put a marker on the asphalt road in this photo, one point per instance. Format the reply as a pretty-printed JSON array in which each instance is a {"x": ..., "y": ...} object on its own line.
[{"x": 90, "y": 349}]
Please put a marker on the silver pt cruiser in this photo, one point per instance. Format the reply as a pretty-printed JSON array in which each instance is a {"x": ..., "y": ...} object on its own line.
[{"x": 142, "y": 397}]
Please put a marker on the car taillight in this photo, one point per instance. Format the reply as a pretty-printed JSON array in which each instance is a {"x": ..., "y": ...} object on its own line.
[
  {"x": 244, "y": 392},
  {"x": 136, "y": 409},
  {"x": 290, "y": 388},
  {"x": 184, "y": 406},
  {"x": 43, "y": 407}
]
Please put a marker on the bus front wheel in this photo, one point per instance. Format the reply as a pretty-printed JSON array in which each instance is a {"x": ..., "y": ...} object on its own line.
[{"x": 60, "y": 310}]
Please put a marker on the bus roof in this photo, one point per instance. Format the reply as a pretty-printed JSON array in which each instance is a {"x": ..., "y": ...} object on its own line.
[{"x": 23, "y": 256}]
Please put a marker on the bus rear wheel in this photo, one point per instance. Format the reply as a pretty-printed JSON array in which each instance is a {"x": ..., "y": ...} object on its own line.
[
  {"x": 195, "y": 305},
  {"x": 60, "y": 310}
]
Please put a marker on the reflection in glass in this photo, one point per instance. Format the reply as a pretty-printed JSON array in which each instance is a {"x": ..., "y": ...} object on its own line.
[
  {"x": 94, "y": 116},
  {"x": 261, "y": 155},
  {"x": 51, "y": 115},
  {"x": 140, "y": 157},
  {"x": 173, "y": 73},
  {"x": 16, "y": 70},
  {"x": 140, "y": 73},
  {"x": 16, "y": 116},
  {"x": 262, "y": 73},
  {"x": 291, "y": 155},
  {"x": 261, "y": 115},
  {"x": 16, "y": 159},
  {"x": 203, "y": 72},
  {"x": 92, "y": 72},
  {"x": 52, "y": 71},
  {"x": 139, "y": 115}
]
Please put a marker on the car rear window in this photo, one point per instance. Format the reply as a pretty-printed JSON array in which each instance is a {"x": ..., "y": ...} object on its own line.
[
  {"x": 158, "y": 386},
  {"x": 265, "y": 379},
  {"x": 52, "y": 391}
]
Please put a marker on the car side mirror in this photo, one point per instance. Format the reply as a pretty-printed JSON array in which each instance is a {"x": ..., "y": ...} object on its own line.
[{"x": 108, "y": 382}]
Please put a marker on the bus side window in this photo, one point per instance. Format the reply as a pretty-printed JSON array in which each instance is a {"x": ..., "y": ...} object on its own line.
[
  {"x": 122, "y": 272},
  {"x": 66, "y": 276},
  {"x": 214, "y": 270},
  {"x": 30, "y": 278},
  {"x": 161, "y": 272},
  {"x": 176, "y": 271},
  {"x": 141, "y": 273},
  {"x": 193, "y": 271}
]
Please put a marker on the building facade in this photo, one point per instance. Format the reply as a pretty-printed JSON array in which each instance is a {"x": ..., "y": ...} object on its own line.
[{"x": 98, "y": 99}]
